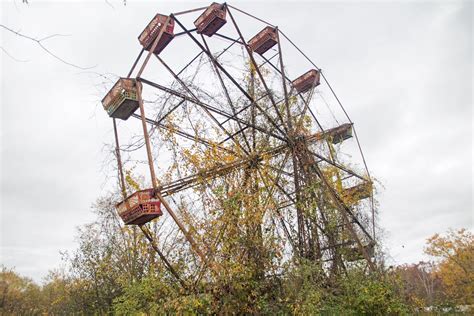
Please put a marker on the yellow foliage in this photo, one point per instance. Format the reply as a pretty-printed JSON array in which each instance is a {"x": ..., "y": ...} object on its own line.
[
  {"x": 131, "y": 181},
  {"x": 456, "y": 268}
]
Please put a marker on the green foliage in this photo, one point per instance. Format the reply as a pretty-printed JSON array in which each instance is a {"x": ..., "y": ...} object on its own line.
[
  {"x": 303, "y": 292},
  {"x": 355, "y": 293},
  {"x": 362, "y": 294},
  {"x": 145, "y": 296}
]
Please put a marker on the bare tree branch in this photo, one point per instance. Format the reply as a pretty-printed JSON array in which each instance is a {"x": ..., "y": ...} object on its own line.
[
  {"x": 39, "y": 42},
  {"x": 12, "y": 57},
  {"x": 109, "y": 4}
]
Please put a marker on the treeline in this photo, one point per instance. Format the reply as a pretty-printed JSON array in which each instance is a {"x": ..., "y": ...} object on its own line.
[{"x": 115, "y": 271}]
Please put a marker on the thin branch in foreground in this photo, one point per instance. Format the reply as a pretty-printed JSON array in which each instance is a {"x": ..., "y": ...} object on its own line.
[
  {"x": 109, "y": 4},
  {"x": 13, "y": 57},
  {"x": 39, "y": 42}
]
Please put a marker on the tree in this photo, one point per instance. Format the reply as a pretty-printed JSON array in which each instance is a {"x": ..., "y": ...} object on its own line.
[
  {"x": 421, "y": 286},
  {"x": 455, "y": 254},
  {"x": 18, "y": 295}
]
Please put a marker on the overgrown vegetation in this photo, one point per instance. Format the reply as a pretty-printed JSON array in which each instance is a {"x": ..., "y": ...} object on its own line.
[{"x": 115, "y": 271}]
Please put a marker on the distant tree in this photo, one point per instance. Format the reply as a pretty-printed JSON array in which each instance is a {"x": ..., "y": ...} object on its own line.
[
  {"x": 421, "y": 286},
  {"x": 18, "y": 295},
  {"x": 455, "y": 253}
]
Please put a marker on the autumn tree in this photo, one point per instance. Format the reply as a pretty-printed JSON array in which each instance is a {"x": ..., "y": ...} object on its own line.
[
  {"x": 454, "y": 252},
  {"x": 18, "y": 295},
  {"x": 420, "y": 285}
]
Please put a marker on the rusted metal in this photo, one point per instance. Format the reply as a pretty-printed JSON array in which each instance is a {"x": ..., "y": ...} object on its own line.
[
  {"x": 264, "y": 40},
  {"x": 305, "y": 172},
  {"x": 262, "y": 79},
  {"x": 160, "y": 23},
  {"x": 222, "y": 169},
  {"x": 190, "y": 11},
  {"x": 250, "y": 15},
  {"x": 229, "y": 39},
  {"x": 211, "y": 20},
  {"x": 123, "y": 187},
  {"x": 135, "y": 63},
  {"x": 139, "y": 208},
  {"x": 184, "y": 33},
  {"x": 285, "y": 90},
  {"x": 153, "y": 47},
  {"x": 211, "y": 108},
  {"x": 341, "y": 133},
  {"x": 183, "y": 134},
  {"x": 155, "y": 182},
  {"x": 277, "y": 211},
  {"x": 122, "y": 100},
  {"x": 306, "y": 81},
  {"x": 213, "y": 118},
  {"x": 335, "y": 134},
  {"x": 147, "y": 139},
  {"x": 346, "y": 212},
  {"x": 312, "y": 169},
  {"x": 268, "y": 117},
  {"x": 243, "y": 129},
  {"x": 183, "y": 229},
  {"x": 337, "y": 165},
  {"x": 168, "y": 265},
  {"x": 229, "y": 101}
]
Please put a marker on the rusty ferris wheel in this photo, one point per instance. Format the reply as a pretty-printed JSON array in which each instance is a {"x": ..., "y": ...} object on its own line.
[{"x": 234, "y": 97}]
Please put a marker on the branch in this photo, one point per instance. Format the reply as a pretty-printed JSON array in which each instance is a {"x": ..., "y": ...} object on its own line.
[
  {"x": 39, "y": 42},
  {"x": 109, "y": 4},
  {"x": 12, "y": 57}
]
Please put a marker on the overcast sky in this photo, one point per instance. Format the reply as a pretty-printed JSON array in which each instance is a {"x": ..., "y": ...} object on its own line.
[{"x": 402, "y": 69}]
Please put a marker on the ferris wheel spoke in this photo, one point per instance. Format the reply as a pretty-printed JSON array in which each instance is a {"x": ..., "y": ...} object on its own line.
[
  {"x": 184, "y": 134},
  {"x": 250, "y": 15},
  {"x": 337, "y": 165},
  {"x": 192, "y": 95},
  {"x": 210, "y": 108},
  {"x": 286, "y": 79},
  {"x": 285, "y": 90},
  {"x": 270, "y": 189},
  {"x": 284, "y": 133},
  {"x": 262, "y": 79},
  {"x": 135, "y": 63},
  {"x": 149, "y": 236},
  {"x": 226, "y": 92},
  {"x": 171, "y": 110},
  {"x": 230, "y": 39},
  {"x": 234, "y": 134},
  {"x": 214, "y": 172}
]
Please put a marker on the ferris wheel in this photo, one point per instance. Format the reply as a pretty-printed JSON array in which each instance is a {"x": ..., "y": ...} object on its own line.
[{"x": 231, "y": 110}]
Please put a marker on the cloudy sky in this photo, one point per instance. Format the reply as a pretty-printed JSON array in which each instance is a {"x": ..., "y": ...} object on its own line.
[{"x": 402, "y": 69}]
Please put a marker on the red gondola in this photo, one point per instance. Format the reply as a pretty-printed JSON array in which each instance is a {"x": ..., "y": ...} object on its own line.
[
  {"x": 306, "y": 81},
  {"x": 149, "y": 34},
  {"x": 212, "y": 19},
  {"x": 139, "y": 208},
  {"x": 263, "y": 41}
]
